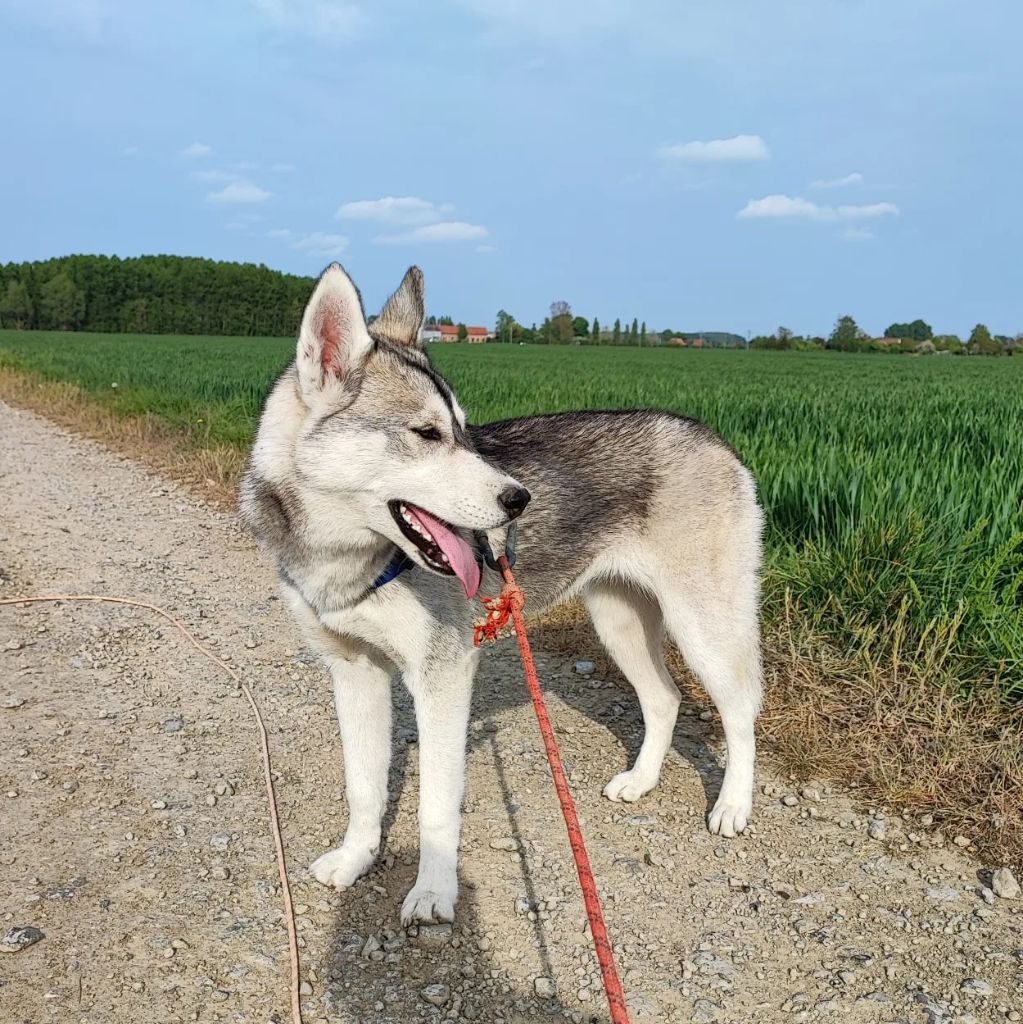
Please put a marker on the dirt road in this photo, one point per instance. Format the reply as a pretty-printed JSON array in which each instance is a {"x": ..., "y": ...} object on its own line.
[{"x": 133, "y": 829}]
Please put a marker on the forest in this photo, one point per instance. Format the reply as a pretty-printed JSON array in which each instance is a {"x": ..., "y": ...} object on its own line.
[{"x": 151, "y": 295}]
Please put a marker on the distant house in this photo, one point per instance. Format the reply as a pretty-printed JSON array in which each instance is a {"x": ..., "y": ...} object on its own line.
[
  {"x": 478, "y": 335},
  {"x": 698, "y": 343},
  {"x": 432, "y": 332},
  {"x": 679, "y": 341},
  {"x": 448, "y": 332},
  {"x": 889, "y": 342}
]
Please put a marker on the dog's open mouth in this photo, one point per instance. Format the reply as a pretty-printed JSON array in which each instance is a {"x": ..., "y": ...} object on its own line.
[{"x": 442, "y": 548}]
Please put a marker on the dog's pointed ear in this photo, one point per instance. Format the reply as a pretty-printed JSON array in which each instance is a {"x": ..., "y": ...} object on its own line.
[
  {"x": 333, "y": 341},
  {"x": 401, "y": 319}
]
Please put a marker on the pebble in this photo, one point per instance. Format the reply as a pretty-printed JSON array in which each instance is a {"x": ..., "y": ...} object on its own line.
[
  {"x": 173, "y": 725},
  {"x": 1004, "y": 884},
  {"x": 436, "y": 994},
  {"x": 433, "y": 936},
  {"x": 704, "y": 1011},
  {"x": 305, "y": 989},
  {"x": 13, "y": 702},
  {"x": 962, "y": 842},
  {"x": 976, "y": 987},
  {"x": 220, "y": 841},
  {"x": 811, "y": 793},
  {"x": 789, "y": 800},
  {"x": 876, "y": 830},
  {"x": 585, "y": 668},
  {"x": 509, "y": 844},
  {"x": 545, "y": 988},
  {"x": 20, "y": 937},
  {"x": 942, "y": 893}
]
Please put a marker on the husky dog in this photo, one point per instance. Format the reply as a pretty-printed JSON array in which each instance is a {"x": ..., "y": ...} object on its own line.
[{"x": 364, "y": 465}]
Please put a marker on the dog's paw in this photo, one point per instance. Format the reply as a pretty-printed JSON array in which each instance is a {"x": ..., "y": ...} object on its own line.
[
  {"x": 729, "y": 817},
  {"x": 342, "y": 867},
  {"x": 425, "y": 905},
  {"x": 628, "y": 786}
]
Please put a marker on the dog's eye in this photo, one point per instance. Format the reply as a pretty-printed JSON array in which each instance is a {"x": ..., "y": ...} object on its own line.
[{"x": 427, "y": 433}]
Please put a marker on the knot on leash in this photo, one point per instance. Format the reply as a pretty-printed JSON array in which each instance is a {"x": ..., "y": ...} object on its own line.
[{"x": 500, "y": 611}]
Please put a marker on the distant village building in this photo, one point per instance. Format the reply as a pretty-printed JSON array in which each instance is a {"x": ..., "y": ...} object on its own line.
[
  {"x": 449, "y": 333},
  {"x": 889, "y": 342}
]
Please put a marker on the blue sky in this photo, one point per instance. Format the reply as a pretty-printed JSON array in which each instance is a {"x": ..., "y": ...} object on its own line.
[{"x": 721, "y": 164}]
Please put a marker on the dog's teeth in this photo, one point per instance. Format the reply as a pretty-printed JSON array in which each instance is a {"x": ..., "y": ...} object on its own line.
[{"x": 444, "y": 559}]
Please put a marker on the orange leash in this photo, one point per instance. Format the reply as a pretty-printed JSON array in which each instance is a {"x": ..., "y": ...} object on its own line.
[{"x": 499, "y": 609}]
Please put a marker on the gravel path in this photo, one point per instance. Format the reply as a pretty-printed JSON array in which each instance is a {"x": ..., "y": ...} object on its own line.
[{"x": 133, "y": 830}]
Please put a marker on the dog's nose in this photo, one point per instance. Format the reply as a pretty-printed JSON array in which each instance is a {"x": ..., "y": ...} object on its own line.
[{"x": 513, "y": 500}]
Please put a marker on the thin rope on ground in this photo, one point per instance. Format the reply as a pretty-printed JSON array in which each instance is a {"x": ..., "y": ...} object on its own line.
[
  {"x": 271, "y": 796},
  {"x": 499, "y": 610}
]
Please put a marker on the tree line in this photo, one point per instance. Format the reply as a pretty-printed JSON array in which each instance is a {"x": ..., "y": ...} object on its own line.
[
  {"x": 561, "y": 327},
  {"x": 188, "y": 295},
  {"x": 916, "y": 337},
  {"x": 151, "y": 295}
]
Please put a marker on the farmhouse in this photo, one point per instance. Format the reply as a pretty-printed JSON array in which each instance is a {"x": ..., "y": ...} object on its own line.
[{"x": 449, "y": 333}]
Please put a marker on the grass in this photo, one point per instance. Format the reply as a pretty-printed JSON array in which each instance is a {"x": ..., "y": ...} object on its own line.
[{"x": 893, "y": 488}]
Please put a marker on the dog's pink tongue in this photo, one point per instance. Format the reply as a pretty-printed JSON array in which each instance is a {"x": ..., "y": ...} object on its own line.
[{"x": 461, "y": 557}]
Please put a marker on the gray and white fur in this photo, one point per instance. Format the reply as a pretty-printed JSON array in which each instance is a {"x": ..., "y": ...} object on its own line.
[{"x": 649, "y": 517}]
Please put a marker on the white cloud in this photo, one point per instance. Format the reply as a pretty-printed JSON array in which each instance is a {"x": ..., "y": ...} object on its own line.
[
  {"x": 779, "y": 206},
  {"x": 316, "y": 243},
  {"x": 395, "y": 210},
  {"x": 196, "y": 151},
  {"x": 737, "y": 149},
  {"x": 331, "y": 19},
  {"x": 445, "y": 231},
  {"x": 240, "y": 192},
  {"x": 857, "y": 234},
  {"x": 849, "y": 179}
]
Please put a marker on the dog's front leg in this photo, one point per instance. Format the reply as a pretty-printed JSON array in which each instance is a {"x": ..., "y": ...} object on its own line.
[
  {"x": 442, "y": 696},
  {"x": 362, "y": 697}
]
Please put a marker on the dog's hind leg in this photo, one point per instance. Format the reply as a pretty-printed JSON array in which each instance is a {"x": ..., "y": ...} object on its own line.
[
  {"x": 441, "y": 692},
  {"x": 720, "y": 642},
  {"x": 629, "y": 623}
]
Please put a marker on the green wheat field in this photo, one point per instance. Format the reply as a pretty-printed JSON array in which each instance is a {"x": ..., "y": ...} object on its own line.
[{"x": 893, "y": 486}]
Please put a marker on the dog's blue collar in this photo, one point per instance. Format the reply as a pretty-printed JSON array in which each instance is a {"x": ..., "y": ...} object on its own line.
[{"x": 394, "y": 568}]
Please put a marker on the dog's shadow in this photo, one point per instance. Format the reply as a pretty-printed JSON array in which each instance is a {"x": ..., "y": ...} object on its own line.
[{"x": 389, "y": 979}]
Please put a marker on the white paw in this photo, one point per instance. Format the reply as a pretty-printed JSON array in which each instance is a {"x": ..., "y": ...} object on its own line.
[
  {"x": 729, "y": 817},
  {"x": 340, "y": 868},
  {"x": 428, "y": 904},
  {"x": 628, "y": 786}
]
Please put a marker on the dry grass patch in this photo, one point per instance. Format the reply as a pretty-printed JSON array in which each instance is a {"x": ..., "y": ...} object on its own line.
[
  {"x": 899, "y": 737},
  {"x": 212, "y": 472}
]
